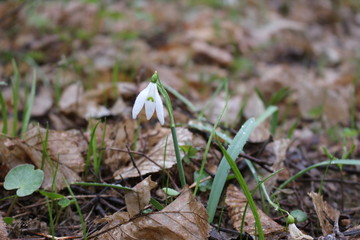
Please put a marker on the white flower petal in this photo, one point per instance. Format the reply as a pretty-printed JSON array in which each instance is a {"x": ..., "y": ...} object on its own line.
[
  {"x": 149, "y": 109},
  {"x": 159, "y": 108},
  {"x": 140, "y": 101},
  {"x": 150, "y": 101}
]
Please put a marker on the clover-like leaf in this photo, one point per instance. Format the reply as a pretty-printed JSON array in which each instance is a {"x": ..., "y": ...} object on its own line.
[{"x": 25, "y": 179}]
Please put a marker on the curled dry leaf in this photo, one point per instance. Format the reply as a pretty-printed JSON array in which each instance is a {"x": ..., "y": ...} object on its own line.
[
  {"x": 235, "y": 202},
  {"x": 65, "y": 149},
  {"x": 183, "y": 219},
  {"x": 154, "y": 161},
  {"x": 327, "y": 215},
  {"x": 296, "y": 234},
  {"x": 137, "y": 200}
]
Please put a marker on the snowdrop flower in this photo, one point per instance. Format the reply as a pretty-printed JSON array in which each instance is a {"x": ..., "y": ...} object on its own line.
[{"x": 151, "y": 98}]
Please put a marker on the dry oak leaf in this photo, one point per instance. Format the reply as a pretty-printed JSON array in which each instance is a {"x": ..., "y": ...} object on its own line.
[
  {"x": 137, "y": 200},
  {"x": 235, "y": 202},
  {"x": 154, "y": 161},
  {"x": 64, "y": 148},
  {"x": 183, "y": 219},
  {"x": 325, "y": 213}
]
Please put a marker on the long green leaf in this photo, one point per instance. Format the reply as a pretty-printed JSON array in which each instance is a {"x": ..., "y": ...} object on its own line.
[
  {"x": 28, "y": 106},
  {"x": 15, "y": 91},
  {"x": 207, "y": 148},
  {"x": 3, "y": 114},
  {"x": 326, "y": 163},
  {"x": 235, "y": 148},
  {"x": 92, "y": 184},
  {"x": 245, "y": 189}
]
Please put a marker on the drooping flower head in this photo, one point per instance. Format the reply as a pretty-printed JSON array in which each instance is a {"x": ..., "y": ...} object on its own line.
[{"x": 149, "y": 97}]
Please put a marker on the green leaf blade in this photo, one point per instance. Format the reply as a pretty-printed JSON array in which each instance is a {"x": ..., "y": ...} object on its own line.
[{"x": 235, "y": 148}]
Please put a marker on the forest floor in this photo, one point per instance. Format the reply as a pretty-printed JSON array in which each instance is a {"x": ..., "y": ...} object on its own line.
[{"x": 294, "y": 66}]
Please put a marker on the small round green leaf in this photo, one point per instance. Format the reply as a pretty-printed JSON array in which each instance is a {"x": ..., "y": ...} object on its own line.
[
  {"x": 25, "y": 179},
  {"x": 171, "y": 192},
  {"x": 63, "y": 203},
  {"x": 300, "y": 216},
  {"x": 51, "y": 195}
]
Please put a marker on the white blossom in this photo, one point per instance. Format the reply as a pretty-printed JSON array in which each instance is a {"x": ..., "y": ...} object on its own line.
[{"x": 149, "y": 97}]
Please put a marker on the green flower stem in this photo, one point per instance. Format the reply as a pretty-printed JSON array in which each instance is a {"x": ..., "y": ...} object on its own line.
[{"x": 162, "y": 90}]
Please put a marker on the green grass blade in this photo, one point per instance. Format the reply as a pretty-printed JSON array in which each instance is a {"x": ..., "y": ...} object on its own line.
[
  {"x": 156, "y": 204},
  {"x": 183, "y": 99},
  {"x": 3, "y": 114},
  {"x": 245, "y": 189},
  {"x": 92, "y": 150},
  {"x": 235, "y": 148},
  {"x": 209, "y": 129},
  {"x": 81, "y": 216},
  {"x": 326, "y": 163},
  {"x": 203, "y": 162},
  {"x": 90, "y": 184},
  {"x": 28, "y": 106},
  {"x": 15, "y": 91}
]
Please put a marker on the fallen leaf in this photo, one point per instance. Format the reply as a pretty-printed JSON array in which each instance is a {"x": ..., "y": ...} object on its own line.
[
  {"x": 280, "y": 147},
  {"x": 235, "y": 201},
  {"x": 325, "y": 213},
  {"x": 260, "y": 134},
  {"x": 154, "y": 162},
  {"x": 262, "y": 35},
  {"x": 43, "y": 102},
  {"x": 65, "y": 149},
  {"x": 117, "y": 136},
  {"x": 254, "y": 107},
  {"x": 296, "y": 234},
  {"x": 214, "y": 53},
  {"x": 137, "y": 200},
  {"x": 333, "y": 103},
  {"x": 183, "y": 219}
]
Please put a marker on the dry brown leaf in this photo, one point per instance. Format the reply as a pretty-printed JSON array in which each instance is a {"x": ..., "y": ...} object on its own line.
[
  {"x": 137, "y": 200},
  {"x": 260, "y": 134},
  {"x": 155, "y": 161},
  {"x": 335, "y": 103},
  {"x": 214, "y": 53},
  {"x": 70, "y": 96},
  {"x": 183, "y": 219},
  {"x": 235, "y": 202},
  {"x": 280, "y": 147},
  {"x": 254, "y": 107},
  {"x": 232, "y": 112},
  {"x": 117, "y": 136},
  {"x": 296, "y": 234},
  {"x": 42, "y": 102},
  {"x": 263, "y": 34},
  {"x": 64, "y": 148},
  {"x": 325, "y": 213}
]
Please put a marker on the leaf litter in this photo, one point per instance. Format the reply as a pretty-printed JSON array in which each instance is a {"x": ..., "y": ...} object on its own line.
[{"x": 308, "y": 47}]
